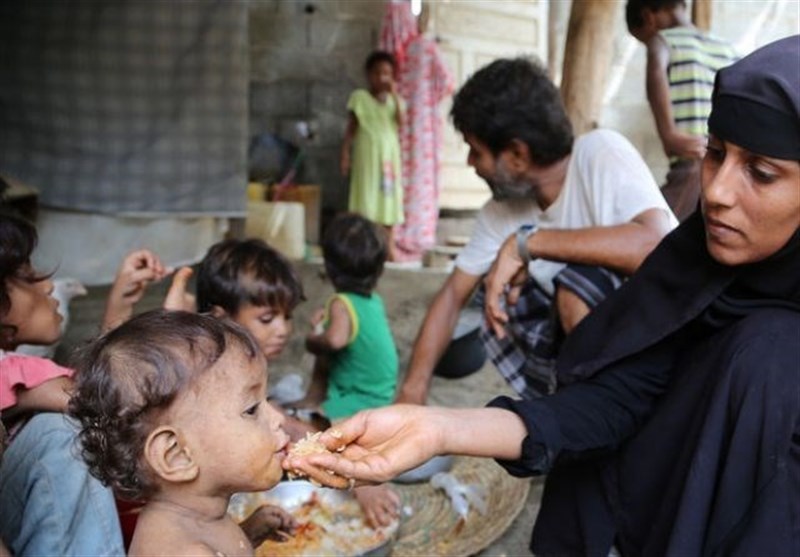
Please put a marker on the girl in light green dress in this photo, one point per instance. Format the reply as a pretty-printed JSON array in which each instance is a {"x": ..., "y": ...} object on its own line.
[{"x": 372, "y": 135}]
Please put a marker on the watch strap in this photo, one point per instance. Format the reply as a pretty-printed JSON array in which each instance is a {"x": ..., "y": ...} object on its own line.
[{"x": 523, "y": 233}]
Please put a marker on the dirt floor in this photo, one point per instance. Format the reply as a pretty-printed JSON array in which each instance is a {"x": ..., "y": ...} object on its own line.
[{"x": 407, "y": 295}]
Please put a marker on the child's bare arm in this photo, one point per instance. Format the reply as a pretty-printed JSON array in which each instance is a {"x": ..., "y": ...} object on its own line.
[
  {"x": 268, "y": 522},
  {"x": 318, "y": 387},
  {"x": 674, "y": 142},
  {"x": 398, "y": 103},
  {"x": 347, "y": 143},
  {"x": 50, "y": 396},
  {"x": 336, "y": 336},
  {"x": 178, "y": 296},
  {"x": 135, "y": 273}
]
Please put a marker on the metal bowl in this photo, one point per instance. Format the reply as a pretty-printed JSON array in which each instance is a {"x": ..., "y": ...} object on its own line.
[
  {"x": 291, "y": 495},
  {"x": 425, "y": 471}
]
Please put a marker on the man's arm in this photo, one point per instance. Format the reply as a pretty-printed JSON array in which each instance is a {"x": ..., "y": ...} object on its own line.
[
  {"x": 435, "y": 335},
  {"x": 674, "y": 142},
  {"x": 622, "y": 248}
]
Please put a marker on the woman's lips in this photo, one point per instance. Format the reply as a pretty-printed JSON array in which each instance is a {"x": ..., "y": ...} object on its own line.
[{"x": 720, "y": 229}]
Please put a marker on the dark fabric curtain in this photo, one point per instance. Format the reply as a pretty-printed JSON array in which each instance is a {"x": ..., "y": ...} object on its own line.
[{"x": 135, "y": 107}]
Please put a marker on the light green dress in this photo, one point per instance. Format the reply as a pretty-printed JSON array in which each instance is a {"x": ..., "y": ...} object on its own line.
[{"x": 376, "y": 183}]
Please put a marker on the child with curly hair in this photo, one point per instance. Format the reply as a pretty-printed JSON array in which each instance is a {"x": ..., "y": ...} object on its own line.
[{"x": 173, "y": 411}]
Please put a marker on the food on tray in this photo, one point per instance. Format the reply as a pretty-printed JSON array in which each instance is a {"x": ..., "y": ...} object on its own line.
[
  {"x": 329, "y": 522},
  {"x": 326, "y": 529}
]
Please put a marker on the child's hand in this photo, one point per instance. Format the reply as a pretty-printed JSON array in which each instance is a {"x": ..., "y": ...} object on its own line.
[
  {"x": 268, "y": 522},
  {"x": 316, "y": 320},
  {"x": 178, "y": 297},
  {"x": 135, "y": 273},
  {"x": 380, "y": 503}
]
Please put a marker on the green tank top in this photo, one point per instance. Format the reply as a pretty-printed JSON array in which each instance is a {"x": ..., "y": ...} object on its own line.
[{"x": 364, "y": 373}]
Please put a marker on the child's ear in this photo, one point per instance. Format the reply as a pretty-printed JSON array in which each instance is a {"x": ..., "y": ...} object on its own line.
[{"x": 169, "y": 457}]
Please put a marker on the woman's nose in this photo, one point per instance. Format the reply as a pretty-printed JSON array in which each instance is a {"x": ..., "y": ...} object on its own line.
[{"x": 721, "y": 187}]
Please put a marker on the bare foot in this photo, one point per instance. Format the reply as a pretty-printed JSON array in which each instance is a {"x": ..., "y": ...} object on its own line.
[{"x": 380, "y": 504}]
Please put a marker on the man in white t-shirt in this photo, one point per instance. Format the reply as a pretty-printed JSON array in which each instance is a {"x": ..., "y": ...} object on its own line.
[{"x": 575, "y": 215}]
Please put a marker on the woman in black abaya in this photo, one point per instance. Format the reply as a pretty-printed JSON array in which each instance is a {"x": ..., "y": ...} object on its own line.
[{"x": 677, "y": 429}]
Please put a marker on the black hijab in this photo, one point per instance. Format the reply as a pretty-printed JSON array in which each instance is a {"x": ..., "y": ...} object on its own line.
[{"x": 756, "y": 105}]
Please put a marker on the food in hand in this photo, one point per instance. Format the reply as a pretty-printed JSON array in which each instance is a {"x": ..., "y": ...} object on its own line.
[{"x": 309, "y": 445}]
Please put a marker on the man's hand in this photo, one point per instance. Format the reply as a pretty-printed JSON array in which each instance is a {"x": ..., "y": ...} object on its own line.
[{"x": 505, "y": 278}]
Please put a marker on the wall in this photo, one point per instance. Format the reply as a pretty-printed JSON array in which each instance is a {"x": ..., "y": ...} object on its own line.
[
  {"x": 304, "y": 65},
  {"x": 305, "y": 59}
]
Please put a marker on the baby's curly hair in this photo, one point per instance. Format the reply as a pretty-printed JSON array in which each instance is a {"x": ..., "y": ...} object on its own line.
[{"x": 127, "y": 377}]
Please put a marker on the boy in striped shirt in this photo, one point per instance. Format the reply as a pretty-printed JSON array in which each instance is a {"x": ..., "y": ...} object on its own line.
[{"x": 681, "y": 64}]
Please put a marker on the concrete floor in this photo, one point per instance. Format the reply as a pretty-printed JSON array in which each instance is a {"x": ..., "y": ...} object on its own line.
[{"x": 407, "y": 295}]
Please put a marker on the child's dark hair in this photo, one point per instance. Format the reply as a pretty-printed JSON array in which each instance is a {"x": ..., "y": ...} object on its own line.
[
  {"x": 127, "y": 376},
  {"x": 378, "y": 56},
  {"x": 354, "y": 251},
  {"x": 18, "y": 239},
  {"x": 633, "y": 10},
  {"x": 235, "y": 272},
  {"x": 514, "y": 99}
]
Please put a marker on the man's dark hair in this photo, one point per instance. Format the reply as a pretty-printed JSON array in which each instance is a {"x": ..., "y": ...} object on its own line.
[
  {"x": 127, "y": 376},
  {"x": 378, "y": 56},
  {"x": 354, "y": 251},
  {"x": 514, "y": 99},
  {"x": 235, "y": 272}
]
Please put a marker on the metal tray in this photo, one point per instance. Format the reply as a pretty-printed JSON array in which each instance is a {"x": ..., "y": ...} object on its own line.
[{"x": 290, "y": 495}]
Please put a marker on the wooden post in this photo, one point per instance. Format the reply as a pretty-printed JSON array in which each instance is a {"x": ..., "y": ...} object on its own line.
[
  {"x": 557, "y": 16},
  {"x": 587, "y": 57},
  {"x": 701, "y": 14}
]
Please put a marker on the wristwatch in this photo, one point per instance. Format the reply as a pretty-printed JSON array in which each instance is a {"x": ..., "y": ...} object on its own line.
[{"x": 523, "y": 233}]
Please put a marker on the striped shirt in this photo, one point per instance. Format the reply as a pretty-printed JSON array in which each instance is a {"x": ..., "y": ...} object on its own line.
[{"x": 694, "y": 58}]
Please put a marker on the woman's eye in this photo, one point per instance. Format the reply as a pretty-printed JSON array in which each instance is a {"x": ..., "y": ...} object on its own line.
[
  {"x": 760, "y": 175},
  {"x": 267, "y": 319},
  {"x": 252, "y": 410},
  {"x": 715, "y": 153}
]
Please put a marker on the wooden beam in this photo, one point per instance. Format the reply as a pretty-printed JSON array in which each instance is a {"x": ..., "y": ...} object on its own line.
[
  {"x": 587, "y": 57},
  {"x": 701, "y": 14}
]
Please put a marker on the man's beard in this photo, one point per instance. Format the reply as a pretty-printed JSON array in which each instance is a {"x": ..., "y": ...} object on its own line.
[{"x": 504, "y": 186}]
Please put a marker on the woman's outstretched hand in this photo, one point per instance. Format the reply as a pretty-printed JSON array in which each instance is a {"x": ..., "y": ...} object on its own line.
[{"x": 378, "y": 445}]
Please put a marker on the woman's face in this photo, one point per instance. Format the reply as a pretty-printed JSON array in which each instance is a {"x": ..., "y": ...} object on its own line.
[{"x": 750, "y": 203}]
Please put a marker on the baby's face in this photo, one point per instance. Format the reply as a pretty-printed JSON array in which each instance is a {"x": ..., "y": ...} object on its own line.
[
  {"x": 270, "y": 326},
  {"x": 233, "y": 432}
]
